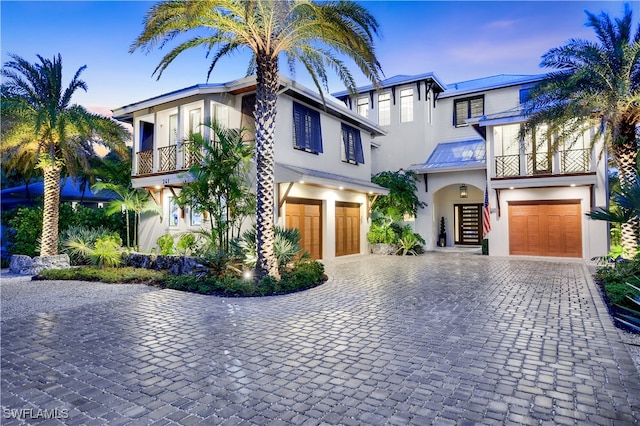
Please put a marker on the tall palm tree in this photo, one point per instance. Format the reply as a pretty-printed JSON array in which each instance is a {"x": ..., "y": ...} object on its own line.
[
  {"x": 596, "y": 84},
  {"x": 314, "y": 34},
  {"x": 48, "y": 132}
]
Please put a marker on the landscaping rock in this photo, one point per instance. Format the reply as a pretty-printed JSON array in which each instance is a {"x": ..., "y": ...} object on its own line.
[
  {"x": 24, "y": 265},
  {"x": 385, "y": 249},
  {"x": 173, "y": 264}
]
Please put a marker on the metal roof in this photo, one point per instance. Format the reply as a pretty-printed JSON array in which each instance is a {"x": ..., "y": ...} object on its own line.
[
  {"x": 396, "y": 81},
  {"x": 491, "y": 82},
  {"x": 455, "y": 156}
]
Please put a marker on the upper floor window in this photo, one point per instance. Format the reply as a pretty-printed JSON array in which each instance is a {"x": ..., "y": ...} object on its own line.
[
  {"x": 306, "y": 129},
  {"x": 467, "y": 108},
  {"x": 406, "y": 105},
  {"x": 362, "y": 106},
  {"x": 173, "y": 129},
  {"x": 525, "y": 94},
  {"x": 194, "y": 121},
  {"x": 352, "y": 145},
  {"x": 384, "y": 109}
]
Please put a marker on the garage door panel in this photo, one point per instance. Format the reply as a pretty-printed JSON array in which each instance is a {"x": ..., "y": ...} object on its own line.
[
  {"x": 545, "y": 228},
  {"x": 307, "y": 217},
  {"x": 347, "y": 228}
]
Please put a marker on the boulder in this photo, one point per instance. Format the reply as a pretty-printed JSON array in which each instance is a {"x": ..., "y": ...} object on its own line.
[{"x": 25, "y": 265}]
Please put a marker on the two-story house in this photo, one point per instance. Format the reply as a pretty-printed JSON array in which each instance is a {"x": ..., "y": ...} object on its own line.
[
  {"x": 463, "y": 142},
  {"x": 323, "y": 160}
]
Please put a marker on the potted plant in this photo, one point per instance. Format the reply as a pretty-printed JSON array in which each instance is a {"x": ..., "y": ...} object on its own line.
[{"x": 442, "y": 237}]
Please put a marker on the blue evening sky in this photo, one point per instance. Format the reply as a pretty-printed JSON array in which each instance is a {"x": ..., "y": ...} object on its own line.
[{"x": 458, "y": 40}]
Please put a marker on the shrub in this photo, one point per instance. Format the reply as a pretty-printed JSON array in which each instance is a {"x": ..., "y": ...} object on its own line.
[
  {"x": 186, "y": 244},
  {"x": 105, "y": 251},
  {"x": 126, "y": 275},
  {"x": 382, "y": 231},
  {"x": 287, "y": 247},
  {"x": 76, "y": 238},
  {"x": 165, "y": 243},
  {"x": 25, "y": 225}
]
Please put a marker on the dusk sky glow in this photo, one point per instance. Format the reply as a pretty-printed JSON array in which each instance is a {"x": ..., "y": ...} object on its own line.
[{"x": 456, "y": 40}]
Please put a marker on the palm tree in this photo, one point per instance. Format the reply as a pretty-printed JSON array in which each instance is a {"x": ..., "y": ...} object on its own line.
[
  {"x": 313, "y": 34},
  {"x": 596, "y": 84},
  {"x": 134, "y": 200},
  {"x": 47, "y": 131},
  {"x": 626, "y": 207}
]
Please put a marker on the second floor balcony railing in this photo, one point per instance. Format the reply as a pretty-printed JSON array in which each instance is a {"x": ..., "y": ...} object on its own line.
[
  {"x": 508, "y": 165},
  {"x": 145, "y": 162},
  {"x": 167, "y": 156},
  {"x": 561, "y": 162},
  {"x": 189, "y": 157}
]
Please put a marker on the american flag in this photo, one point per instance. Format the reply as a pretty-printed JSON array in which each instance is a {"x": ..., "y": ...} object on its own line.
[{"x": 486, "y": 214}]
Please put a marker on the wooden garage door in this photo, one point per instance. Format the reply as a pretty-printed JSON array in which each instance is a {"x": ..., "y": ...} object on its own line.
[
  {"x": 306, "y": 215},
  {"x": 347, "y": 228},
  {"x": 545, "y": 228}
]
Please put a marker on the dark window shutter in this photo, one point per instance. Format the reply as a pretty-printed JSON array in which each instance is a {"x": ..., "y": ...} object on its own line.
[
  {"x": 352, "y": 144},
  {"x": 306, "y": 128}
]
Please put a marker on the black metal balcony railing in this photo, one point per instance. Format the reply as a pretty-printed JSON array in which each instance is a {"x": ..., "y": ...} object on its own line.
[
  {"x": 539, "y": 163},
  {"x": 571, "y": 161},
  {"x": 145, "y": 162},
  {"x": 167, "y": 158},
  {"x": 189, "y": 157},
  {"x": 575, "y": 160},
  {"x": 508, "y": 165}
]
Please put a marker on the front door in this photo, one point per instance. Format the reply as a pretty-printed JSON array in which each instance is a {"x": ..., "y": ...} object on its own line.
[{"x": 468, "y": 218}]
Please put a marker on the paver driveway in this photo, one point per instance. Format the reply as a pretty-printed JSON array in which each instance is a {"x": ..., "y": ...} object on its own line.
[{"x": 437, "y": 339}]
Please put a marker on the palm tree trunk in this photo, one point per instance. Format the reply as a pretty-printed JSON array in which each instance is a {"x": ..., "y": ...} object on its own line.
[
  {"x": 49, "y": 243},
  {"x": 626, "y": 156},
  {"x": 265, "y": 116}
]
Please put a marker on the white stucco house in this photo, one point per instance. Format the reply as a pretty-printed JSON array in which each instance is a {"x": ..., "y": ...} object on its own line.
[
  {"x": 323, "y": 160},
  {"x": 462, "y": 142}
]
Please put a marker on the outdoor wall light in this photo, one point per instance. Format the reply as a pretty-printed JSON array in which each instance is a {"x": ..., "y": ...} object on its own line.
[{"x": 463, "y": 191}]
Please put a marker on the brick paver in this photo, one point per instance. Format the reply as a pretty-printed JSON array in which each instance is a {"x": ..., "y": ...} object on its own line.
[{"x": 435, "y": 339}]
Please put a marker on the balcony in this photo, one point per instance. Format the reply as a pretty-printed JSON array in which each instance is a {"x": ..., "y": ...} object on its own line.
[
  {"x": 562, "y": 162},
  {"x": 145, "y": 162}
]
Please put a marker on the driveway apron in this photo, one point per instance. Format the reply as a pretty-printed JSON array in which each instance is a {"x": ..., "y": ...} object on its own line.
[{"x": 436, "y": 339}]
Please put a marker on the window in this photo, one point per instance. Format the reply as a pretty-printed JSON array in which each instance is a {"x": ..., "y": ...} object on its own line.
[
  {"x": 306, "y": 129},
  {"x": 173, "y": 129},
  {"x": 196, "y": 217},
  {"x": 467, "y": 108},
  {"x": 362, "y": 107},
  {"x": 525, "y": 94},
  {"x": 406, "y": 105},
  {"x": 384, "y": 109},
  {"x": 174, "y": 212},
  {"x": 194, "y": 121},
  {"x": 352, "y": 144}
]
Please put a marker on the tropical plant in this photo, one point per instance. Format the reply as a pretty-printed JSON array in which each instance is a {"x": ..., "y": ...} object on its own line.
[
  {"x": 106, "y": 251},
  {"x": 630, "y": 316},
  {"x": 186, "y": 244},
  {"x": 218, "y": 181},
  {"x": 382, "y": 231},
  {"x": 166, "y": 244},
  {"x": 301, "y": 30},
  {"x": 42, "y": 128},
  {"x": 596, "y": 84},
  {"x": 402, "y": 199},
  {"x": 625, "y": 209},
  {"x": 135, "y": 200},
  {"x": 287, "y": 247},
  {"x": 80, "y": 236}
]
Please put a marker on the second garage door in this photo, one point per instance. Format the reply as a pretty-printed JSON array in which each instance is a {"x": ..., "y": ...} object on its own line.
[
  {"x": 545, "y": 228},
  {"x": 347, "y": 228}
]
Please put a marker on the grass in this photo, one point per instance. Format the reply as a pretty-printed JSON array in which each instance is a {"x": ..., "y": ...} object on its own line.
[{"x": 303, "y": 275}]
